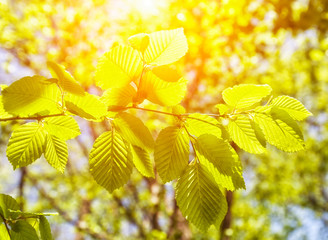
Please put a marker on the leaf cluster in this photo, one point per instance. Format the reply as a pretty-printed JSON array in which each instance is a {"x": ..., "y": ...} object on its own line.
[{"x": 196, "y": 150}]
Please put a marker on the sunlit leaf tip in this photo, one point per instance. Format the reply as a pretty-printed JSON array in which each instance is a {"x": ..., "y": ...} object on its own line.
[
  {"x": 118, "y": 67},
  {"x": 139, "y": 41},
  {"x": 65, "y": 79},
  {"x": 245, "y": 95},
  {"x": 292, "y": 106},
  {"x": 165, "y": 47}
]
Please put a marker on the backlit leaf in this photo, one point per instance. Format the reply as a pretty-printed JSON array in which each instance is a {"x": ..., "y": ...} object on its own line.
[
  {"x": 198, "y": 124},
  {"x": 223, "y": 108},
  {"x": 22, "y": 230},
  {"x": 29, "y": 96},
  {"x": 139, "y": 41},
  {"x": 245, "y": 95},
  {"x": 171, "y": 152},
  {"x": 221, "y": 160},
  {"x": 142, "y": 162},
  {"x": 280, "y": 130},
  {"x": 292, "y": 106},
  {"x": 63, "y": 127},
  {"x": 45, "y": 230},
  {"x": 7, "y": 202},
  {"x": 166, "y": 47},
  {"x": 134, "y": 131},
  {"x": 3, "y": 113},
  {"x": 56, "y": 152},
  {"x": 26, "y": 144},
  {"x": 111, "y": 161},
  {"x": 118, "y": 67},
  {"x": 199, "y": 197},
  {"x": 3, "y": 232},
  {"x": 115, "y": 97},
  {"x": 88, "y": 106},
  {"x": 65, "y": 79},
  {"x": 163, "y": 92},
  {"x": 243, "y": 134}
]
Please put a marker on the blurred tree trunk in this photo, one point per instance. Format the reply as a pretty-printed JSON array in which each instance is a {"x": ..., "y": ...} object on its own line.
[{"x": 226, "y": 224}]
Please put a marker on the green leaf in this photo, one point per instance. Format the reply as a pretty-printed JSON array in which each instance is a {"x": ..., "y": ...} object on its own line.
[
  {"x": 65, "y": 79},
  {"x": 88, "y": 106},
  {"x": 162, "y": 92},
  {"x": 223, "y": 108},
  {"x": 111, "y": 161},
  {"x": 115, "y": 97},
  {"x": 139, "y": 41},
  {"x": 22, "y": 230},
  {"x": 56, "y": 152},
  {"x": 221, "y": 160},
  {"x": 142, "y": 162},
  {"x": 45, "y": 230},
  {"x": 171, "y": 152},
  {"x": 29, "y": 96},
  {"x": 199, "y": 197},
  {"x": 166, "y": 73},
  {"x": 118, "y": 67},
  {"x": 3, "y": 113},
  {"x": 198, "y": 124},
  {"x": 3, "y": 232},
  {"x": 134, "y": 131},
  {"x": 166, "y": 47},
  {"x": 280, "y": 130},
  {"x": 26, "y": 144},
  {"x": 245, "y": 95},
  {"x": 6, "y": 203},
  {"x": 63, "y": 127},
  {"x": 292, "y": 106},
  {"x": 244, "y": 135}
]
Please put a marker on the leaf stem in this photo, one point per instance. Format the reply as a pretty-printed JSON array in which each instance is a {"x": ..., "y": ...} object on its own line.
[
  {"x": 5, "y": 222},
  {"x": 31, "y": 118}
]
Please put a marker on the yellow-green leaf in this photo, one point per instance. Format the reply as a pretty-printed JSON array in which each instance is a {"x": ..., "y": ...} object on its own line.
[
  {"x": 118, "y": 97},
  {"x": 3, "y": 113},
  {"x": 292, "y": 106},
  {"x": 26, "y": 144},
  {"x": 111, "y": 161},
  {"x": 142, "y": 162},
  {"x": 244, "y": 135},
  {"x": 3, "y": 232},
  {"x": 198, "y": 124},
  {"x": 63, "y": 127},
  {"x": 171, "y": 152},
  {"x": 7, "y": 202},
  {"x": 166, "y": 47},
  {"x": 245, "y": 95},
  {"x": 22, "y": 230},
  {"x": 88, "y": 106},
  {"x": 65, "y": 79},
  {"x": 162, "y": 92},
  {"x": 56, "y": 152},
  {"x": 134, "y": 131},
  {"x": 139, "y": 41},
  {"x": 199, "y": 197},
  {"x": 221, "y": 160},
  {"x": 118, "y": 67},
  {"x": 223, "y": 108},
  {"x": 45, "y": 230},
  {"x": 29, "y": 96},
  {"x": 280, "y": 130}
]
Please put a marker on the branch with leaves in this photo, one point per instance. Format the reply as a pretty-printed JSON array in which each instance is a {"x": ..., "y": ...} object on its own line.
[{"x": 129, "y": 75}]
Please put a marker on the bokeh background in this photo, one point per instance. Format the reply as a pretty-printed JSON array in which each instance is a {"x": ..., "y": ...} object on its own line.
[{"x": 283, "y": 43}]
